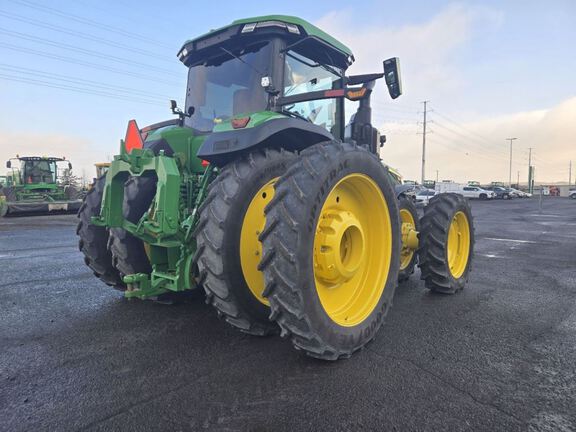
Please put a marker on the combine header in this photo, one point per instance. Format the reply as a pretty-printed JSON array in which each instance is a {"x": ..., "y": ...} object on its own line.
[{"x": 32, "y": 186}]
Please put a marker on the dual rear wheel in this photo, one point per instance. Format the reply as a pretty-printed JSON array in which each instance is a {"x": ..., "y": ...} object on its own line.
[
  {"x": 311, "y": 245},
  {"x": 308, "y": 245}
]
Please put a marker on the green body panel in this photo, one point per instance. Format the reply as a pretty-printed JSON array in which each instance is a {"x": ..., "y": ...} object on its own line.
[
  {"x": 184, "y": 144},
  {"x": 256, "y": 119},
  {"x": 167, "y": 226},
  {"x": 310, "y": 29}
]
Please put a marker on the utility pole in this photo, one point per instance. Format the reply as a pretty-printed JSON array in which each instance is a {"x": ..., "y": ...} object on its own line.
[
  {"x": 570, "y": 175},
  {"x": 424, "y": 143},
  {"x": 530, "y": 171},
  {"x": 436, "y": 176},
  {"x": 518, "y": 180},
  {"x": 510, "y": 172}
]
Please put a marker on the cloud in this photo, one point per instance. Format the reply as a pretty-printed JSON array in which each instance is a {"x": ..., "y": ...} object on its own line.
[
  {"x": 431, "y": 56},
  {"x": 477, "y": 150},
  {"x": 79, "y": 150},
  {"x": 425, "y": 49}
]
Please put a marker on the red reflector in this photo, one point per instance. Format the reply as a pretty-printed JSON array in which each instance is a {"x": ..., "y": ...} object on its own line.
[
  {"x": 334, "y": 93},
  {"x": 205, "y": 163},
  {"x": 133, "y": 139},
  {"x": 239, "y": 123}
]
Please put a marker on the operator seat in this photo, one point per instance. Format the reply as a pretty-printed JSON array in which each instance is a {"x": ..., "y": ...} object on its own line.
[{"x": 247, "y": 101}]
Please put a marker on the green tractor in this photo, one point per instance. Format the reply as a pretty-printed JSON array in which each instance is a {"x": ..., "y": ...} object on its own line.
[
  {"x": 259, "y": 194},
  {"x": 33, "y": 185}
]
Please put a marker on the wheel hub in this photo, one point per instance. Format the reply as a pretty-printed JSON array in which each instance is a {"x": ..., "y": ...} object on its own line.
[{"x": 340, "y": 249}]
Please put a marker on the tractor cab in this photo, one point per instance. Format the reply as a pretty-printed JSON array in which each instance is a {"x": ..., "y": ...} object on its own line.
[
  {"x": 35, "y": 172},
  {"x": 267, "y": 68}
]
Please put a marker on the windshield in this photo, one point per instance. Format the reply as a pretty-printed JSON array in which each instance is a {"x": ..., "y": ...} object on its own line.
[
  {"x": 226, "y": 85},
  {"x": 38, "y": 171}
]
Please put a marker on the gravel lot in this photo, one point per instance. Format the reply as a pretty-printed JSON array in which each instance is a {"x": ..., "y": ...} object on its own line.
[{"x": 75, "y": 355}]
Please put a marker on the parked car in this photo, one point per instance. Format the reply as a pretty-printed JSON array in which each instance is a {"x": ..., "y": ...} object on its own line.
[
  {"x": 477, "y": 192},
  {"x": 520, "y": 194},
  {"x": 571, "y": 194},
  {"x": 424, "y": 195},
  {"x": 502, "y": 193},
  {"x": 466, "y": 190}
]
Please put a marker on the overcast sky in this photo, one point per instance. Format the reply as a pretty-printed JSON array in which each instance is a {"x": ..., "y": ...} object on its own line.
[{"x": 72, "y": 73}]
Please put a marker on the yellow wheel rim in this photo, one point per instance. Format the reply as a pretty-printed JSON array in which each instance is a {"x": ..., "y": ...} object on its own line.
[
  {"x": 458, "y": 250},
  {"x": 250, "y": 246},
  {"x": 408, "y": 224},
  {"x": 352, "y": 250}
]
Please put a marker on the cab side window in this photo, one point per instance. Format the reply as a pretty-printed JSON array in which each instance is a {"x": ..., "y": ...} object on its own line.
[{"x": 303, "y": 75}]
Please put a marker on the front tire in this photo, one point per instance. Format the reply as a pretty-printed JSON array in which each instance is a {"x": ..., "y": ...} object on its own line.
[
  {"x": 228, "y": 249},
  {"x": 446, "y": 243},
  {"x": 410, "y": 220},
  {"x": 331, "y": 250}
]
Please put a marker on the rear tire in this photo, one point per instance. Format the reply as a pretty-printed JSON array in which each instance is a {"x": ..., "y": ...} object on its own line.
[
  {"x": 225, "y": 268},
  {"x": 331, "y": 250},
  {"x": 445, "y": 261},
  {"x": 93, "y": 239},
  {"x": 128, "y": 253}
]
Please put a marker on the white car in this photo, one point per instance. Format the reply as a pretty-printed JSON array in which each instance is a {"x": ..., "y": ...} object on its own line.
[
  {"x": 424, "y": 195},
  {"x": 520, "y": 194},
  {"x": 572, "y": 194},
  {"x": 477, "y": 192}
]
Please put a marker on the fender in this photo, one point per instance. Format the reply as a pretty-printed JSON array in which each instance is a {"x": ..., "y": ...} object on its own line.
[{"x": 289, "y": 133}]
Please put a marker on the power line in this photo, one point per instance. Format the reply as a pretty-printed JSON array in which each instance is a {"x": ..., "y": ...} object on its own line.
[
  {"x": 455, "y": 123},
  {"x": 467, "y": 152},
  {"x": 74, "y": 80},
  {"x": 42, "y": 83},
  {"x": 82, "y": 63},
  {"x": 86, "y": 21},
  {"x": 73, "y": 48},
  {"x": 468, "y": 138},
  {"x": 83, "y": 35}
]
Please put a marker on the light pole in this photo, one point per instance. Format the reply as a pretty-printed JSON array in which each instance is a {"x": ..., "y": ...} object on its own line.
[{"x": 510, "y": 174}]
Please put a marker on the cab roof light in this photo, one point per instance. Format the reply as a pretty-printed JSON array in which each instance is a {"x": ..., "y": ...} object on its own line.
[
  {"x": 182, "y": 54},
  {"x": 292, "y": 28},
  {"x": 249, "y": 28}
]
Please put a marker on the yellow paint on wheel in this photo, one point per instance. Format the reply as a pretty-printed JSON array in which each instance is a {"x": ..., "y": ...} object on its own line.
[
  {"x": 408, "y": 225},
  {"x": 458, "y": 247},
  {"x": 250, "y": 247},
  {"x": 352, "y": 250}
]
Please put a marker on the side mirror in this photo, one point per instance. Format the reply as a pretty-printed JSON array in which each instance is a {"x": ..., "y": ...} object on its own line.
[
  {"x": 392, "y": 76},
  {"x": 8, "y": 164},
  {"x": 69, "y": 166},
  {"x": 173, "y": 105}
]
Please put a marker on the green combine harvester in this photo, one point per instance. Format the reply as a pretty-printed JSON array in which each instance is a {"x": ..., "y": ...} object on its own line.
[
  {"x": 33, "y": 186},
  {"x": 262, "y": 196}
]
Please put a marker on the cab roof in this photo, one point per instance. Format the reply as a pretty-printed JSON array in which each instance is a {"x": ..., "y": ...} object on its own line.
[
  {"x": 39, "y": 158},
  {"x": 294, "y": 29}
]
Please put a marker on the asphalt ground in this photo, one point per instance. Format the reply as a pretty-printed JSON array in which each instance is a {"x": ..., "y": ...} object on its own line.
[{"x": 500, "y": 356}]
